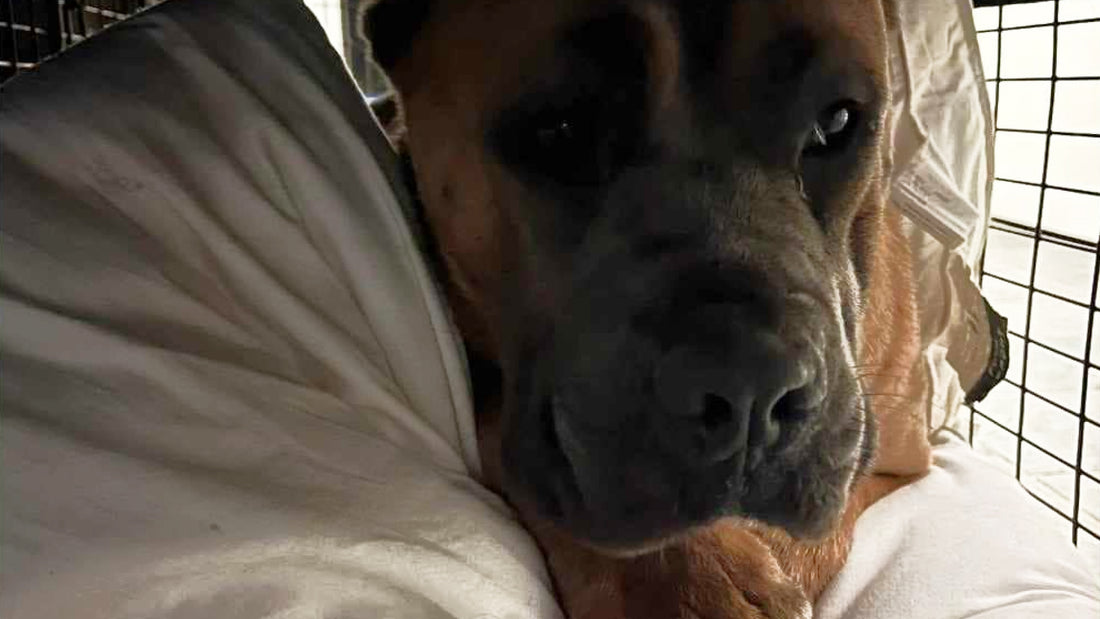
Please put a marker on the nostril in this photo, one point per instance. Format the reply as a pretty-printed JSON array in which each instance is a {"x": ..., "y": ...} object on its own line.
[
  {"x": 791, "y": 408},
  {"x": 717, "y": 412},
  {"x": 718, "y": 428}
]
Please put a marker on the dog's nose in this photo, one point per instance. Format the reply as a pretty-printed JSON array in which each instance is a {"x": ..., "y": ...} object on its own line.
[{"x": 745, "y": 393}]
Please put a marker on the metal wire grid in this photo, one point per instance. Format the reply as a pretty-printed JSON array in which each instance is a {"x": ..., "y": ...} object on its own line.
[
  {"x": 31, "y": 30},
  {"x": 1051, "y": 266}
]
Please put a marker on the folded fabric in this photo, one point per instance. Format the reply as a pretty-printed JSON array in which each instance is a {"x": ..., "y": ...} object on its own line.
[
  {"x": 943, "y": 174},
  {"x": 230, "y": 388}
]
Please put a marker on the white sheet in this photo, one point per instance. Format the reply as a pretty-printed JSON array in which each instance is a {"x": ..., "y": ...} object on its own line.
[
  {"x": 964, "y": 541},
  {"x": 230, "y": 388}
]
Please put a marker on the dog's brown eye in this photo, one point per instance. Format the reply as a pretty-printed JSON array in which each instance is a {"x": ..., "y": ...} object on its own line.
[
  {"x": 567, "y": 146},
  {"x": 555, "y": 134},
  {"x": 567, "y": 141},
  {"x": 831, "y": 129}
]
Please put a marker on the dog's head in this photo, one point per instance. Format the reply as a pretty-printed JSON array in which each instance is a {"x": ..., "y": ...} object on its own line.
[{"x": 659, "y": 217}]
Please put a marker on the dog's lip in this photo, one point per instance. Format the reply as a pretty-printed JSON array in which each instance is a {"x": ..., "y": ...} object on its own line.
[{"x": 565, "y": 503}]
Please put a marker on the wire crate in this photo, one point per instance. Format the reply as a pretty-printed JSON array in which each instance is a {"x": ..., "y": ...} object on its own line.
[
  {"x": 1040, "y": 269},
  {"x": 31, "y": 30}
]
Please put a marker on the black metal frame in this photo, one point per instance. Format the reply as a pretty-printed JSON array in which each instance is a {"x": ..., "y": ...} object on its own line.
[
  {"x": 1039, "y": 236},
  {"x": 57, "y": 24},
  {"x": 32, "y": 30}
]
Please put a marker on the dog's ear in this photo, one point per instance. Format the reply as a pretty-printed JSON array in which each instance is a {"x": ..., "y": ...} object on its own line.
[{"x": 391, "y": 26}]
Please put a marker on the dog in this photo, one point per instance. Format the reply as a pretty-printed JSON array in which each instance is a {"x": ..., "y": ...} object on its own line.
[{"x": 662, "y": 229}]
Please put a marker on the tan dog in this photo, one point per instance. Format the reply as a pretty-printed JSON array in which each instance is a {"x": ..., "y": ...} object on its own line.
[{"x": 661, "y": 225}]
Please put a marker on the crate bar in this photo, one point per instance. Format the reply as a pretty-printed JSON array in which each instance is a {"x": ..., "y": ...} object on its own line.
[
  {"x": 14, "y": 37},
  {"x": 1070, "y": 22},
  {"x": 1036, "y": 236},
  {"x": 1060, "y": 460},
  {"x": 1084, "y": 401},
  {"x": 53, "y": 27}
]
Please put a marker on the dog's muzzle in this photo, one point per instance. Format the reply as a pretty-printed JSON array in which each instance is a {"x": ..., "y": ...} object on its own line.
[{"x": 718, "y": 396}]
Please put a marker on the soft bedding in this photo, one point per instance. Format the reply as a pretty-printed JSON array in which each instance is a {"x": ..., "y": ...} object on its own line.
[{"x": 230, "y": 387}]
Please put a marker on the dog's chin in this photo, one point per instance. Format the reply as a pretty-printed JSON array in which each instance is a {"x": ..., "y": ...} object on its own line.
[
  {"x": 624, "y": 537},
  {"x": 805, "y": 504}
]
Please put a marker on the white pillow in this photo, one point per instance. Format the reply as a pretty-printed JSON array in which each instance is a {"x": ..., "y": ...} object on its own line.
[{"x": 230, "y": 388}]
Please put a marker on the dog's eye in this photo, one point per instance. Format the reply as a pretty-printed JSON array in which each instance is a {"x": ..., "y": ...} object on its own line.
[
  {"x": 555, "y": 135},
  {"x": 569, "y": 147},
  {"x": 569, "y": 141},
  {"x": 832, "y": 129}
]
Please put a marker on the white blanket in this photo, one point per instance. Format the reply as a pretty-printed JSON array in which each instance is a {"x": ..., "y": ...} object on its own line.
[{"x": 230, "y": 387}]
